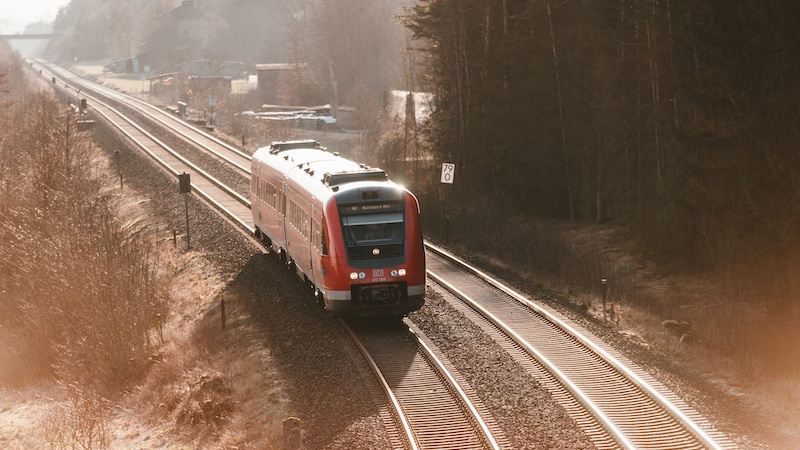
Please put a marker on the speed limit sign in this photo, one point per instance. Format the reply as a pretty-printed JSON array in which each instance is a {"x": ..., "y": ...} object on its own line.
[{"x": 448, "y": 172}]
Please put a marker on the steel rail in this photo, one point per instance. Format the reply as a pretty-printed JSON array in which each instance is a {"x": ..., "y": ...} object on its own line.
[
  {"x": 178, "y": 126},
  {"x": 376, "y": 371},
  {"x": 588, "y": 343},
  {"x": 424, "y": 392},
  {"x": 205, "y": 195},
  {"x": 584, "y": 399},
  {"x": 465, "y": 398}
]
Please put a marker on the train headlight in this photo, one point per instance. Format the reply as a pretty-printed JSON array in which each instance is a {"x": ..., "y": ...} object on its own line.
[
  {"x": 401, "y": 272},
  {"x": 354, "y": 276},
  {"x": 361, "y": 275}
]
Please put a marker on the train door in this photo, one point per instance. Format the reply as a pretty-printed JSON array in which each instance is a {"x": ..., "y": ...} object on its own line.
[
  {"x": 282, "y": 210},
  {"x": 255, "y": 200}
]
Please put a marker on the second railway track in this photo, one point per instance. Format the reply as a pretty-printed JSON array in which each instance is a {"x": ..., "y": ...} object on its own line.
[{"x": 617, "y": 404}]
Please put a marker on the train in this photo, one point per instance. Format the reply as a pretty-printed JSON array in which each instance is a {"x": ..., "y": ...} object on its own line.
[{"x": 348, "y": 231}]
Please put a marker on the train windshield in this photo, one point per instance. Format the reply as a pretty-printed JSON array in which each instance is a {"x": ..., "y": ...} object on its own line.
[
  {"x": 373, "y": 229},
  {"x": 374, "y": 235}
]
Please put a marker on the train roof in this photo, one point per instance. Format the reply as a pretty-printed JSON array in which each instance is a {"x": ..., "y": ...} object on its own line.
[{"x": 317, "y": 170}]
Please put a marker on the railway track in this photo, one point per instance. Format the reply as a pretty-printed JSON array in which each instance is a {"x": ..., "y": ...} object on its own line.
[
  {"x": 429, "y": 398},
  {"x": 234, "y": 205},
  {"x": 615, "y": 403},
  {"x": 191, "y": 134}
]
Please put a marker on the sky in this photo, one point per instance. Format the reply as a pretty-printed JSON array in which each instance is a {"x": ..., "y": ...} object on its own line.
[{"x": 16, "y": 14}]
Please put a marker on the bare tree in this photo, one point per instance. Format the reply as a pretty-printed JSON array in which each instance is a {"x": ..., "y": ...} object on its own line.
[{"x": 562, "y": 126}]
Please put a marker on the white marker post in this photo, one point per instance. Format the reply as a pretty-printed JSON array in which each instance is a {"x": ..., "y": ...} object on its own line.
[
  {"x": 448, "y": 176},
  {"x": 448, "y": 172}
]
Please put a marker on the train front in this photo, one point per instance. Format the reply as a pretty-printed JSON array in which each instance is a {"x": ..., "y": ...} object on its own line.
[{"x": 376, "y": 259}]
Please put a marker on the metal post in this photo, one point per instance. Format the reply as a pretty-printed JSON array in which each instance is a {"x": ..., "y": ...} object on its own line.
[
  {"x": 222, "y": 308},
  {"x": 186, "y": 202},
  {"x": 185, "y": 187},
  {"x": 292, "y": 440},
  {"x": 604, "y": 287},
  {"x": 117, "y": 158}
]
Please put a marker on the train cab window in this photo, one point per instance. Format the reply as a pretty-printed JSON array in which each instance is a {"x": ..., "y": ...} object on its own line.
[{"x": 365, "y": 232}]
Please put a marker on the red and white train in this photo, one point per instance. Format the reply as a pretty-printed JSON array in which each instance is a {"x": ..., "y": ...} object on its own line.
[{"x": 352, "y": 234}]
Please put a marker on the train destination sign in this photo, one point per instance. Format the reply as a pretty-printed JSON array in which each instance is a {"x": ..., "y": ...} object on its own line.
[{"x": 372, "y": 208}]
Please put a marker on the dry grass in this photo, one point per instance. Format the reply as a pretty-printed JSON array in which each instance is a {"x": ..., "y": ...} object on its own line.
[
  {"x": 207, "y": 388},
  {"x": 193, "y": 385},
  {"x": 82, "y": 421}
]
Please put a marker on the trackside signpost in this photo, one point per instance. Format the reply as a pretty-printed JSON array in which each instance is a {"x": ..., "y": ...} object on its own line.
[
  {"x": 448, "y": 176},
  {"x": 185, "y": 187},
  {"x": 448, "y": 173}
]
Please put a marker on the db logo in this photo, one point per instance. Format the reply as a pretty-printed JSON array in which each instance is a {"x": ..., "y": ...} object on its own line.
[{"x": 377, "y": 273}]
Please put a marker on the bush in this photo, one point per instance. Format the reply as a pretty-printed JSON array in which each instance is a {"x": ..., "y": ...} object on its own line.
[
  {"x": 80, "y": 422},
  {"x": 81, "y": 291}
]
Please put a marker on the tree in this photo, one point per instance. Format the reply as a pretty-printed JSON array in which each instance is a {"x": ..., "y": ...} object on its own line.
[{"x": 354, "y": 58}]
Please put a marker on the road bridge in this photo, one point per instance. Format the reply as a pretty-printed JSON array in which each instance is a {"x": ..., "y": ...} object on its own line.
[{"x": 12, "y": 37}]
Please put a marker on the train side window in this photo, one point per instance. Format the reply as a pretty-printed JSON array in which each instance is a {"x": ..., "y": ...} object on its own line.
[
  {"x": 316, "y": 234},
  {"x": 298, "y": 218},
  {"x": 272, "y": 195},
  {"x": 324, "y": 241}
]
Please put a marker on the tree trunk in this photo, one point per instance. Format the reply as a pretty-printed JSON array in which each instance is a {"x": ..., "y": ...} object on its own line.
[{"x": 562, "y": 126}]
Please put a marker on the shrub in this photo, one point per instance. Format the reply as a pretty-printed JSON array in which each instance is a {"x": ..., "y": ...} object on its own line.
[{"x": 81, "y": 292}]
